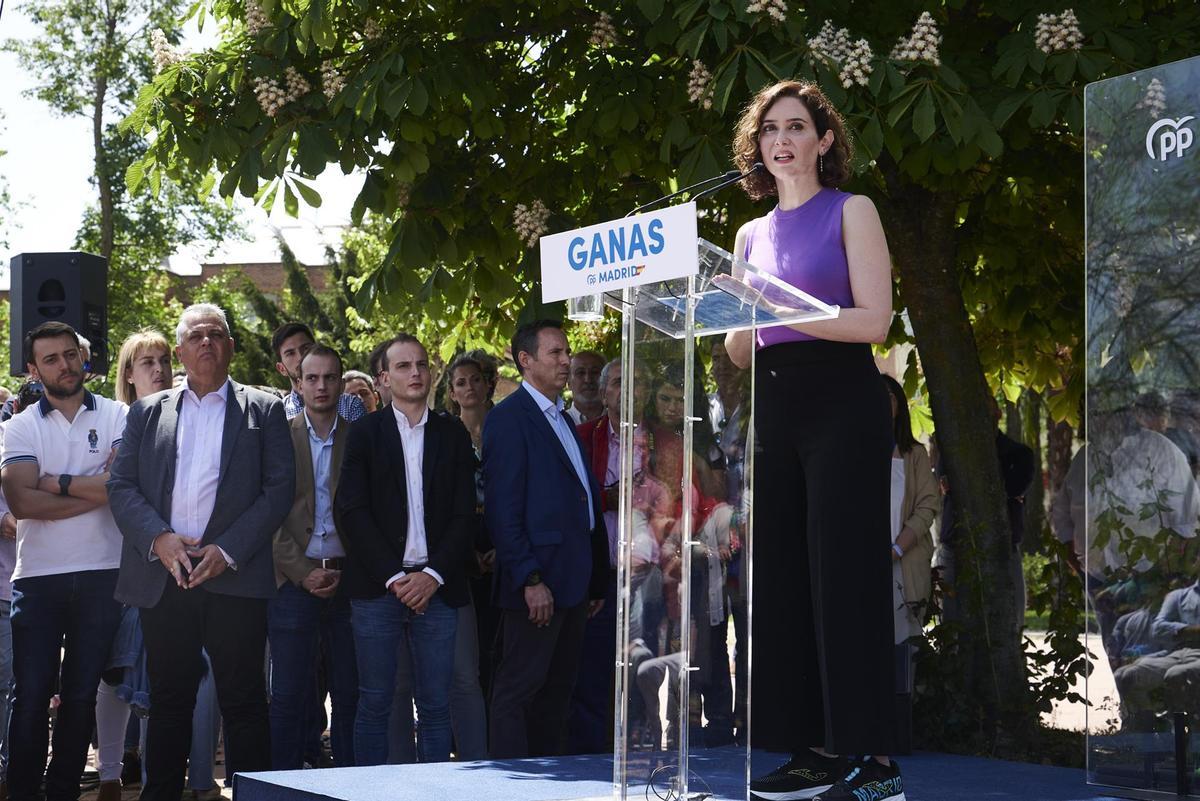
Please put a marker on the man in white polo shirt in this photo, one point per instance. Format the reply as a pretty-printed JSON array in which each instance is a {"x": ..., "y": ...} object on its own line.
[{"x": 54, "y": 469}]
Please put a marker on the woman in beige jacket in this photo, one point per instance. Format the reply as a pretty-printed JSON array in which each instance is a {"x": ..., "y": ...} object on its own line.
[{"x": 915, "y": 503}]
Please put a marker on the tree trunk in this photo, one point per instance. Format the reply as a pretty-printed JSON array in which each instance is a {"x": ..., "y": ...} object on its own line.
[
  {"x": 921, "y": 233},
  {"x": 1059, "y": 441},
  {"x": 103, "y": 178}
]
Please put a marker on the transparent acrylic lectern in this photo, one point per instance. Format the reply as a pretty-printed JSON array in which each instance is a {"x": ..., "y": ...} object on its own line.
[
  {"x": 684, "y": 508},
  {"x": 1133, "y": 495}
]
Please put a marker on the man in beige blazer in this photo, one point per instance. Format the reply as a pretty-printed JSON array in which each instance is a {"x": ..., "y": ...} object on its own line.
[{"x": 309, "y": 556}]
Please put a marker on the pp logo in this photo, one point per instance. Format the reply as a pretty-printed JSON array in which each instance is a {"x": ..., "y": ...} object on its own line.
[{"x": 1168, "y": 136}]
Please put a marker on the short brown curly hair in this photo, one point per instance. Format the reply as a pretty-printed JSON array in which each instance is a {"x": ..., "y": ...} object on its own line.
[{"x": 836, "y": 168}]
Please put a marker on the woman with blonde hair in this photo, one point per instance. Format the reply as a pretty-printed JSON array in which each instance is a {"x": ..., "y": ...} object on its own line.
[{"x": 143, "y": 366}]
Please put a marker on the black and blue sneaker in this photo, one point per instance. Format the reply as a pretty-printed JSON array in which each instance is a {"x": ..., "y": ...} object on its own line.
[
  {"x": 867, "y": 780},
  {"x": 801, "y": 777}
]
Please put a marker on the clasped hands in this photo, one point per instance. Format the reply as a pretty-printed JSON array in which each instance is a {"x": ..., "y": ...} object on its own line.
[
  {"x": 485, "y": 561},
  {"x": 176, "y": 552},
  {"x": 414, "y": 590},
  {"x": 322, "y": 582}
]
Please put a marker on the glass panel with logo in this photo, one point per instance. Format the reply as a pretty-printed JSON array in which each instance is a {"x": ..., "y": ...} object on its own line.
[{"x": 1134, "y": 499}]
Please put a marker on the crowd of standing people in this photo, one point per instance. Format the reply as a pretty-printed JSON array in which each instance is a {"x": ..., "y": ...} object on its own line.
[
  {"x": 344, "y": 536},
  {"x": 448, "y": 579},
  {"x": 158, "y": 546}
]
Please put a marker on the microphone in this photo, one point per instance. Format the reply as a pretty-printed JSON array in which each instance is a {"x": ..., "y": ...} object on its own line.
[
  {"x": 727, "y": 177},
  {"x": 758, "y": 167}
]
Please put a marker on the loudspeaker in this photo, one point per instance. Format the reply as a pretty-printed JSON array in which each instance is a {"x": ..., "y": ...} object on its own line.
[{"x": 68, "y": 287}]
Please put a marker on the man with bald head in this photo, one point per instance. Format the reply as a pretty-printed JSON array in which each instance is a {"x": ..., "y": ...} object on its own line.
[
  {"x": 203, "y": 478},
  {"x": 584, "y": 383}
]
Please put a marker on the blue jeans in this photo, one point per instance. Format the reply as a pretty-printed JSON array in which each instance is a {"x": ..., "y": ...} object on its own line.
[
  {"x": 294, "y": 619},
  {"x": 402, "y": 742},
  {"x": 382, "y": 625},
  {"x": 73, "y": 613},
  {"x": 6, "y": 675}
]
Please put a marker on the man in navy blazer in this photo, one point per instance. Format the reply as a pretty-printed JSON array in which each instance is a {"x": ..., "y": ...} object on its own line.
[{"x": 543, "y": 513}]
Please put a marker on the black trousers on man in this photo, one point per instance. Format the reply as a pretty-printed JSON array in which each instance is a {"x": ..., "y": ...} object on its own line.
[
  {"x": 233, "y": 631},
  {"x": 531, "y": 693}
]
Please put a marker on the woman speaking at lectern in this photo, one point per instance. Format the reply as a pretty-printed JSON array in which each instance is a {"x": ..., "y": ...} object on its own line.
[{"x": 823, "y": 686}]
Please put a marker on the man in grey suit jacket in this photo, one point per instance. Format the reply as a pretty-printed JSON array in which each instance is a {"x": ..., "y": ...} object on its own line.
[{"x": 203, "y": 478}]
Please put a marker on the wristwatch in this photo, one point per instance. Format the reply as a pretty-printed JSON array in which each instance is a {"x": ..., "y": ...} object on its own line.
[
  {"x": 533, "y": 579},
  {"x": 64, "y": 484}
]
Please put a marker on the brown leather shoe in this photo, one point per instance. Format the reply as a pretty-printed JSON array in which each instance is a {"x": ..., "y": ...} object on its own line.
[{"x": 109, "y": 791}]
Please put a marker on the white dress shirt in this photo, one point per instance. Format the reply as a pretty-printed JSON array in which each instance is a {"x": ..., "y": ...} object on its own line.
[
  {"x": 198, "y": 436},
  {"x": 416, "y": 543}
]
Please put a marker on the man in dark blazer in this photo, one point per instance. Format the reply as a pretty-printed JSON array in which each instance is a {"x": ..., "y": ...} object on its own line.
[
  {"x": 406, "y": 504},
  {"x": 203, "y": 478},
  {"x": 309, "y": 559},
  {"x": 544, "y": 515}
]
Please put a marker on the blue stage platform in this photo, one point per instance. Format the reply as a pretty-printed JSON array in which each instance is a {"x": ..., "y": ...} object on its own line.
[{"x": 927, "y": 777}]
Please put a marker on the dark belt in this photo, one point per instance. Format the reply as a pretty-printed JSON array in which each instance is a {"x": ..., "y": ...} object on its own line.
[{"x": 332, "y": 564}]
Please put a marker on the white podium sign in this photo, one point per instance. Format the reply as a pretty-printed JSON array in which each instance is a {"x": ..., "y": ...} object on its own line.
[{"x": 647, "y": 248}]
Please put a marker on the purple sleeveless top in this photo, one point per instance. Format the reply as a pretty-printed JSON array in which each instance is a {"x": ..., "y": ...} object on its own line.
[{"x": 803, "y": 246}]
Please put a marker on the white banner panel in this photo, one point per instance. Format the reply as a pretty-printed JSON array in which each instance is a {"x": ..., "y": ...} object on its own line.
[{"x": 631, "y": 251}]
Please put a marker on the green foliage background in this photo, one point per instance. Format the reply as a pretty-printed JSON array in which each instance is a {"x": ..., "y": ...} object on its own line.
[{"x": 457, "y": 113}]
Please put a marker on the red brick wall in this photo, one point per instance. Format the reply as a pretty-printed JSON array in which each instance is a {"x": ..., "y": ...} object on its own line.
[{"x": 268, "y": 277}]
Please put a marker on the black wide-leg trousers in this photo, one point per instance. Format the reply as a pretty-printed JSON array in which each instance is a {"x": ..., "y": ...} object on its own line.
[{"x": 823, "y": 670}]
